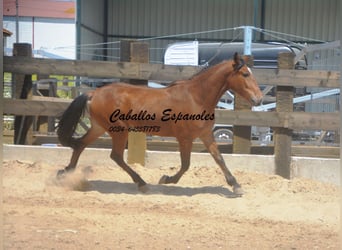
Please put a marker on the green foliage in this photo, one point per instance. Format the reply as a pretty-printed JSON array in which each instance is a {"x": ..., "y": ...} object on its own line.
[
  {"x": 7, "y": 87},
  {"x": 66, "y": 81}
]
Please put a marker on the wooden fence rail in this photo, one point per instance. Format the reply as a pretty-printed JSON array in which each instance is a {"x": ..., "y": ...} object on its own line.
[
  {"x": 161, "y": 72},
  {"x": 165, "y": 73},
  {"x": 293, "y": 120}
]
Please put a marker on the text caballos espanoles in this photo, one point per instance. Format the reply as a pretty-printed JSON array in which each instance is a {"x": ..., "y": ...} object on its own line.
[{"x": 167, "y": 115}]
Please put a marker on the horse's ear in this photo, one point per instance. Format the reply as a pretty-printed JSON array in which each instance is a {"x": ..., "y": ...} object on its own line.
[
  {"x": 237, "y": 61},
  {"x": 236, "y": 58}
]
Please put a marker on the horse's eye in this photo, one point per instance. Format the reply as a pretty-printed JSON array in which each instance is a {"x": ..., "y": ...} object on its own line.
[{"x": 245, "y": 74}]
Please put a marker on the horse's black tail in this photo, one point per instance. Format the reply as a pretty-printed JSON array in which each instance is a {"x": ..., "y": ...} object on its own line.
[{"x": 69, "y": 120}]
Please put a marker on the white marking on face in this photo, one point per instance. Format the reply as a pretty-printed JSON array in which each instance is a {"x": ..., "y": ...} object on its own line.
[{"x": 249, "y": 70}]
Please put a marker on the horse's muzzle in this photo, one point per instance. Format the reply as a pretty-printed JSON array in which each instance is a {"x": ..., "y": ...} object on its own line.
[{"x": 256, "y": 101}]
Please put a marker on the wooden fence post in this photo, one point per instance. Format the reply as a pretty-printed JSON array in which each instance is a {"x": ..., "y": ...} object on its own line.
[
  {"x": 22, "y": 89},
  {"x": 133, "y": 51},
  {"x": 283, "y": 136},
  {"x": 242, "y": 134},
  {"x": 45, "y": 124}
]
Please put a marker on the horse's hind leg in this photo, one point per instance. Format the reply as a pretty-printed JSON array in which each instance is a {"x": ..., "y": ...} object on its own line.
[
  {"x": 185, "y": 152},
  {"x": 92, "y": 134},
  {"x": 211, "y": 145},
  {"x": 119, "y": 141}
]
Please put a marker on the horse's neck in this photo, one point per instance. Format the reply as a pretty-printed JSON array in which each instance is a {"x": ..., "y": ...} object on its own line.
[{"x": 211, "y": 85}]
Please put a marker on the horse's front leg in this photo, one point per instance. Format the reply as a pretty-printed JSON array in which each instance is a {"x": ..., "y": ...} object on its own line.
[
  {"x": 211, "y": 145},
  {"x": 119, "y": 141},
  {"x": 185, "y": 147}
]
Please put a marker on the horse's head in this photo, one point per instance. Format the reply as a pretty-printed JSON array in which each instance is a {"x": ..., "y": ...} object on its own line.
[{"x": 242, "y": 81}]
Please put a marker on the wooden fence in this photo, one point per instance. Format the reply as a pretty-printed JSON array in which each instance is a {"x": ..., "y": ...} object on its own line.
[{"x": 285, "y": 78}]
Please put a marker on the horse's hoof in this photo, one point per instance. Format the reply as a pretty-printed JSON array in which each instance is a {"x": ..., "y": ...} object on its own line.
[
  {"x": 61, "y": 173},
  {"x": 238, "y": 190},
  {"x": 163, "y": 179},
  {"x": 143, "y": 188}
]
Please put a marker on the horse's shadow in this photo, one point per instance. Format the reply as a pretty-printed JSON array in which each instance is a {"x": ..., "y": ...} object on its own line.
[{"x": 113, "y": 187}]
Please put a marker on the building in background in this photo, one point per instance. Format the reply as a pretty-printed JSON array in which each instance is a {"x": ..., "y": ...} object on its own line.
[
  {"x": 102, "y": 24},
  {"x": 49, "y": 25}
]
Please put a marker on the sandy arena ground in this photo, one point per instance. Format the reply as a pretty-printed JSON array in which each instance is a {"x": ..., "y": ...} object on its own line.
[{"x": 98, "y": 207}]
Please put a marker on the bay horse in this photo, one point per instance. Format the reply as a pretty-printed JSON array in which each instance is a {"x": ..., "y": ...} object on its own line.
[{"x": 184, "y": 109}]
